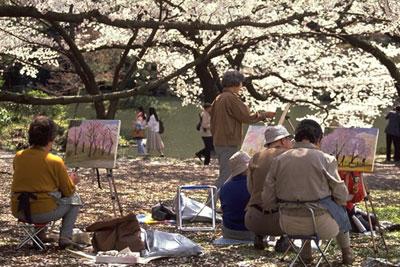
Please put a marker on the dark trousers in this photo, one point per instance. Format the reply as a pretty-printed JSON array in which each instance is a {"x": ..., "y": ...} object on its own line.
[
  {"x": 396, "y": 142},
  {"x": 206, "y": 151}
]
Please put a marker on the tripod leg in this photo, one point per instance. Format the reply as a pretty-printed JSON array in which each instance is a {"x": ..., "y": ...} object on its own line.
[
  {"x": 370, "y": 225},
  {"x": 378, "y": 224},
  {"x": 98, "y": 178},
  {"x": 114, "y": 193},
  {"x": 366, "y": 190}
]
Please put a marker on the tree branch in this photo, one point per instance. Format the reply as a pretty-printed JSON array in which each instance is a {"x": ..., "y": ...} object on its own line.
[{"x": 95, "y": 15}]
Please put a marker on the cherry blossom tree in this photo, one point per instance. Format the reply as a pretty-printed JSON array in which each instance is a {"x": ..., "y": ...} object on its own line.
[{"x": 337, "y": 56}]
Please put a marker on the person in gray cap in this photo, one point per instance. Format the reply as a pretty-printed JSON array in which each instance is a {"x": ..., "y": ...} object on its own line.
[
  {"x": 277, "y": 141},
  {"x": 228, "y": 113},
  {"x": 305, "y": 176}
]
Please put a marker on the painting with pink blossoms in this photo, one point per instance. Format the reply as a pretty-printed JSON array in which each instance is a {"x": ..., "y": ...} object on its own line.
[
  {"x": 353, "y": 148},
  {"x": 92, "y": 143},
  {"x": 254, "y": 140}
]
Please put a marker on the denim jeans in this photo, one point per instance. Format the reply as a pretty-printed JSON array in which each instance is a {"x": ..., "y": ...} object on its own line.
[
  {"x": 68, "y": 213},
  {"x": 140, "y": 147},
  {"x": 223, "y": 155}
]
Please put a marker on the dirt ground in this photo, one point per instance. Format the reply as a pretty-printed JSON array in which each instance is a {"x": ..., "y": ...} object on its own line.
[{"x": 143, "y": 183}]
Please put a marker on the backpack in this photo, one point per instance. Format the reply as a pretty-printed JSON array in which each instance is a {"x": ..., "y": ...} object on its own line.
[
  {"x": 198, "y": 126},
  {"x": 161, "y": 128},
  {"x": 117, "y": 234}
]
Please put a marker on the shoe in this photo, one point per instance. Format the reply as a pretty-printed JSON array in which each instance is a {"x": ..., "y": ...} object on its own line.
[
  {"x": 45, "y": 238},
  {"x": 64, "y": 243},
  {"x": 282, "y": 244},
  {"x": 306, "y": 253},
  {"x": 347, "y": 256},
  {"x": 198, "y": 155},
  {"x": 259, "y": 242}
]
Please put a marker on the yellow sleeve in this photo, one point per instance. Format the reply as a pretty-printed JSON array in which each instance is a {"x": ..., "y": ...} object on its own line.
[{"x": 66, "y": 187}]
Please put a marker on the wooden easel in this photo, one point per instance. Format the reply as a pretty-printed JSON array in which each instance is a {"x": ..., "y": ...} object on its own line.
[
  {"x": 368, "y": 201},
  {"x": 285, "y": 117},
  {"x": 113, "y": 190}
]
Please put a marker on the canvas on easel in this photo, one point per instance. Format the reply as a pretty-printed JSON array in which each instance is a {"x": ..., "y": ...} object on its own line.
[
  {"x": 92, "y": 143},
  {"x": 353, "y": 148},
  {"x": 254, "y": 140}
]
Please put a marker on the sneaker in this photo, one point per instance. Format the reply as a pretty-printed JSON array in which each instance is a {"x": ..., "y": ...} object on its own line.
[
  {"x": 198, "y": 155},
  {"x": 259, "y": 242}
]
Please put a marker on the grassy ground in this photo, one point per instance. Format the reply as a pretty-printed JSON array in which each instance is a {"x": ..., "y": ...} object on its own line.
[{"x": 143, "y": 183}]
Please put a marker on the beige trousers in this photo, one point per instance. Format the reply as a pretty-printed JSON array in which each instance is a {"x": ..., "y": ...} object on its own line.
[
  {"x": 327, "y": 227},
  {"x": 262, "y": 224}
]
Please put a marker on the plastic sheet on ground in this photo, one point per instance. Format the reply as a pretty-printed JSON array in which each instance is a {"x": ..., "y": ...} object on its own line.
[{"x": 164, "y": 244}]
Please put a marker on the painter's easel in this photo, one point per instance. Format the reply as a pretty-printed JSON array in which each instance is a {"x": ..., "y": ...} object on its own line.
[
  {"x": 368, "y": 201},
  {"x": 285, "y": 117},
  {"x": 113, "y": 190}
]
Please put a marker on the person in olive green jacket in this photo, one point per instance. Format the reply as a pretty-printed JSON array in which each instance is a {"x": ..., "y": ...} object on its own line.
[
  {"x": 228, "y": 113},
  {"x": 41, "y": 190}
]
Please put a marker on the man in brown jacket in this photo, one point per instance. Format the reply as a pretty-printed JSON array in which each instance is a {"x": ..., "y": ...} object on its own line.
[
  {"x": 307, "y": 177},
  {"x": 227, "y": 116},
  {"x": 277, "y": 141}
]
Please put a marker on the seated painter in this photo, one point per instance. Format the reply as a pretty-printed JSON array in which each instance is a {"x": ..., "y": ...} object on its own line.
[
  {"x": 305, "y": 177},
  {"x": 234, "y": 197},
  {"x": 42, "y": 191}
]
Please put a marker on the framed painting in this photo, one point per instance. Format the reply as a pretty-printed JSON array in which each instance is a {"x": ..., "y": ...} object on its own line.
[
  {"x": 92, "y": 143},
  {"x": 353, "y": 148},
  {"x": 254, "y": 140}
]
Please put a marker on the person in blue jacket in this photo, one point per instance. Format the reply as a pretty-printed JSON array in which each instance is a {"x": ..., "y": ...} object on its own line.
[{"x": 234, "y": 197}]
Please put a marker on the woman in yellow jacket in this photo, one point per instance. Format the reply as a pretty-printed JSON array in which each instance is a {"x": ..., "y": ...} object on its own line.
[{"x": 42, "y": 191}]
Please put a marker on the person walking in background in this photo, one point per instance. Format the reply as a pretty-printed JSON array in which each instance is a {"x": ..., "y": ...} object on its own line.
[
  {"x": 392, "y": 131},
  {"x": 139, "y": 124},
  {"x": 205, "y": 131},
  {"x": 228, "y": 113},
  {"x": 154, "y": 141}
]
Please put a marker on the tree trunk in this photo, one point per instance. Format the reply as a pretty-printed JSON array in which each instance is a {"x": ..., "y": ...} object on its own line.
[{"x": 209, "y": 85}]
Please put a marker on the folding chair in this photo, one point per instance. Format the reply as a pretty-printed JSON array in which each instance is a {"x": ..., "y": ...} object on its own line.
[
  {"x": 32, "y": 231},
  {"x": 179, "y": 213},
  {"x": 305, "y": 239}
]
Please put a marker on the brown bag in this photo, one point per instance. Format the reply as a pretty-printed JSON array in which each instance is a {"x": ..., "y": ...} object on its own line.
[
  {"x": 138, "y": 134},
  {"x": 117, "y": 234}
]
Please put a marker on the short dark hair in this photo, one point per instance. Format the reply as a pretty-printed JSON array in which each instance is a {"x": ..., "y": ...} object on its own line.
[
  {"x": 397, "y": 108},
  {"x": 309, "y": 130},
  {"x": 232, "y": 78},
  {"x": 42, "y": 130}
]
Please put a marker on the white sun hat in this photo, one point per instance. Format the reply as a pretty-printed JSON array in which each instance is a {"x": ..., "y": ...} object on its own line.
[
  {"x": 238, "y": 163},
  {"x": 274, "y": 133}
]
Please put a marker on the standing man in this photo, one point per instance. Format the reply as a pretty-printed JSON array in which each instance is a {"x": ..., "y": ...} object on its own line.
[
  {"x": 392, "y": 131},
  {"x": 227, "y": 116}
]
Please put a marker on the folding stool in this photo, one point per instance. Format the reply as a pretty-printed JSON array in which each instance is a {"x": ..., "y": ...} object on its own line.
[
  {"x": 32, "y": 231},
  {"x": 179, "y": 218},
  {"x": 306, "y": 239}
]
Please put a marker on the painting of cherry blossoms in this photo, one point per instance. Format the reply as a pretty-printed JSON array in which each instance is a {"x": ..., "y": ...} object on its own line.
[
  {"x": 92, "y": 143},
  {"x": 254, "y": 140},
  {"x": 354, "y": 148}
]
